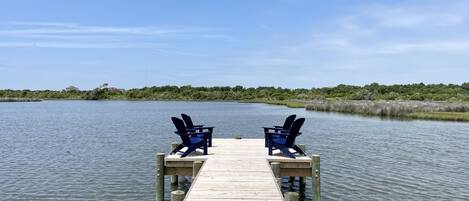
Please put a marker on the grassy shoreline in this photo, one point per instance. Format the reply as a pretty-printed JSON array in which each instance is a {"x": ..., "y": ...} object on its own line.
[
  {"x": 442, "y": 116},
  {"x": 426, "y": 110},
  {"x": 289, "y": 103}
]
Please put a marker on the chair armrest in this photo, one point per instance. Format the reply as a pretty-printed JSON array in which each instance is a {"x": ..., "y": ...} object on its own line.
[
  {"x": 278, "y": 126},
  {"x": 201, "y": 133},
  {"x": 198, "y": 126},
  {"x": 272, "y": 128},
  {"x": 206, "y": 127},
  {"x": 194, "y": 133},
  {"x": 266, "y": 129},
  {"x": 283, "y": 134}
]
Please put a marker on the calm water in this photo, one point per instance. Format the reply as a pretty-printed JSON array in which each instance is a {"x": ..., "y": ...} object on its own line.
[{"x": 104, "y": 150}]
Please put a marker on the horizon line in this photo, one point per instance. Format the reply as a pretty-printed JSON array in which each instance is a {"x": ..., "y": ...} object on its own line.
[{"x": 231, "y": 86}]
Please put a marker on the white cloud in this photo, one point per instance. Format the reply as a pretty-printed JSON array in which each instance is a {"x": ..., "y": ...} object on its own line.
[
  {"x": 39, "y": 24},
  {"x": 71, "y": 35},
  {"x": 267, "y": 61},
  {"x": 381, "y": 29},
  {"x": 440, "y": 46},
  {"x": 414, "y": 16},
  {"x": 75, "y": 45},
  {"x": 178, "y": 52},
  {"x": 390, "y": 44},
  {"x": 70, "y": 28}
]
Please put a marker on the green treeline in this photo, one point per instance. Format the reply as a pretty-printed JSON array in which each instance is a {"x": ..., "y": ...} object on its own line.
[{"x": 374, "y": 91}]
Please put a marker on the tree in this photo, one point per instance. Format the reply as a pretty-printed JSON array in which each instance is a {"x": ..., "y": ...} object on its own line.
[{"x": 465, "y": 85}]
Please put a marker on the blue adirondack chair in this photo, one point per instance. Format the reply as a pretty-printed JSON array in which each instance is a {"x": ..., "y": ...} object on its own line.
[
  {"x": 198, "y": 128},
  {"x": 188, "y": 120},
  {"x": 288, "y": 141},
  {"x": 288, "y": 122},
  {"x": 190, "y": 140},
  {"x": 284, "y": 128}
]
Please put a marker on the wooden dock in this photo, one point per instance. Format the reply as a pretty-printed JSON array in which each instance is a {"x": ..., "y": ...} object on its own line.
[{"x": 234, "y": 170}]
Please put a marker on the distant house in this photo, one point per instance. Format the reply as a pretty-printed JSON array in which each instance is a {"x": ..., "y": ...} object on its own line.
[
  {"x": 115, "y": 89},
  {"x": 104, "y": 86},
  {"x": 110, "y": 88},
  {"x": 72, "y": 89}
]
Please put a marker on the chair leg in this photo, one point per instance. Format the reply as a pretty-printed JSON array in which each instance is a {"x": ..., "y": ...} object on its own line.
[
  {"x": 270, "y": 149},
  {"x": 175, "y": 150},
  {"x": 203, "y": 145},
  {"x": 210, "y": 140},
  {"x": 189, "y": 150},
  {"x": 270, "y": 143},
  {"x": 298, "y": 149},
  {"x": 205, "y": 149},
  {"x": 285, "y": 151}
]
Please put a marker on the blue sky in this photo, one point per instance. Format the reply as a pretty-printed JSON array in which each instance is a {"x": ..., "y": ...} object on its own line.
[{"x": 287, "y": 43}]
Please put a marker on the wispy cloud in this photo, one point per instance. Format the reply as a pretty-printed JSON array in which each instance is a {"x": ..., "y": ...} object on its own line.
[
  {"x": 411, "y": 16},
  {"x": 375, "y": 43},
  {"x": 397, "y": 29},
  {"x": 178, "y": 52},
  {"x": 46, "y": 24},
  {"x": 71, "y": 28},
  {"x": 76, "y": 45},
  {"x": 71, "y": 35}
]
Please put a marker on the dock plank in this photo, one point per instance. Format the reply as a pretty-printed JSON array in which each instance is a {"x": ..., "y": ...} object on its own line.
[{"x": 237, "y": 170}]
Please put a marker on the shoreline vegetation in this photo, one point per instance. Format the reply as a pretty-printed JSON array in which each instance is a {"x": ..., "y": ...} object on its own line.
[
  {"x": 416, "y": 101},
  {"x": 396, "y": 109},
  {"x": 19, "y": 100}
]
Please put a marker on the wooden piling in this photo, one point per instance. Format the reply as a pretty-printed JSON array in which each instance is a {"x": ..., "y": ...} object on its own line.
[
  {"x": 291, "y": 180},
  {"x": 195, "y": 168},
  {"x": 302, "y": 180},
  {"x": 174, "y": 178},
  {"x": 316, "y": 174},
  {"x": 276, "y": 170},
  {"x": 160, "y": 176},
  {"x": 291, "y": 196},
  {"x": 177, "y": 195},
  {"x": 302, "y": 183}
]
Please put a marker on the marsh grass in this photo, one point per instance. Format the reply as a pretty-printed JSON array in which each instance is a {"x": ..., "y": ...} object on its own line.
[
  {"x": 445, "y": 116},
  {"x": 388, "y": 108},
  {"x": 290, "y": 104}
]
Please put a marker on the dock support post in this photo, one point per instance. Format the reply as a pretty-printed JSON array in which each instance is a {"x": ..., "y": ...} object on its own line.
[
  {"x": 291, "y": 180},
  {"x": 302, "y": 180},
  {"x": 291, "y": 196},
  {"x": 195, "y": 168},
  {"x": 276, "y": 170},
  {"x": 177, "y": 195},
  {"x": 174, "y": 178},
  {"x": 316, "y": 174},
  {"x": 160, "y": 177}
]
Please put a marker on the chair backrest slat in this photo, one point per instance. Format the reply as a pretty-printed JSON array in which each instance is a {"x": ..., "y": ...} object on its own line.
[
  {"x": 294, "y": 130},
  {"x": 181, "y": 128},
  {"x": 289, "y": 121},
  {"x": 188, "y": 121}
]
